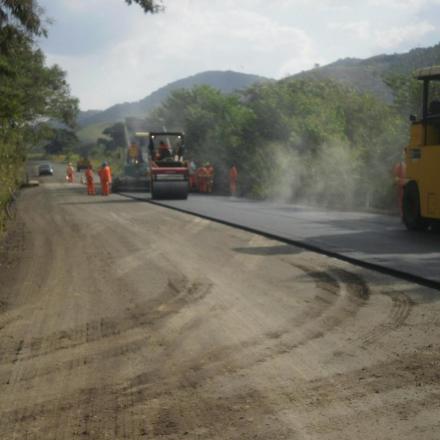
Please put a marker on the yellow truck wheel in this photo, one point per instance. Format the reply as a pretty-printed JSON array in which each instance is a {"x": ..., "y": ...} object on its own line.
[{"x": 411, "y": 208}]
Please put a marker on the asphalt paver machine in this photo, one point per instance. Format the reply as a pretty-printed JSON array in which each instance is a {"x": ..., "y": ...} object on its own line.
[{"x": 135, "y": 174}]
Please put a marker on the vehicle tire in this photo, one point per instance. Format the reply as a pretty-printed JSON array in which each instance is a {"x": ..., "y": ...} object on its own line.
[
  {"x": 411, "y": 208},
  {"x": 435, "y": 226},
  {"x": 154, "y": 194}
]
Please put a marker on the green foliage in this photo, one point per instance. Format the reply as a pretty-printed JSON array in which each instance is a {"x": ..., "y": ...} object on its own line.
[
  {"x": 21, "y": 17},
  {"x": 115, "y": 137},
  {"x": 311, "y": 140},
  {"x": 215, "y": 124},
  {"x": 91, "y": 132},
  {"x": 62, "y": 141},
  {"x": 151, "y": 6},
  {"x": 30, "y": 92},
  {"x": 407, "y": 92}
]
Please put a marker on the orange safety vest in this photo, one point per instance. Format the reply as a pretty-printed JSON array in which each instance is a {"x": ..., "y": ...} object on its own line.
[
  {"x": 233, "y": 174},
  {"x": 107, "y": 174},
  {"x": 89, "y": 175},
  {"x": 400, "y": 173}
]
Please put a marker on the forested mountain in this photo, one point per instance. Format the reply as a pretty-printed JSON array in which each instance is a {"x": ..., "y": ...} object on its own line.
[
  {"x": 369, "y": 75},
  {"x": 225, "y": 81}
]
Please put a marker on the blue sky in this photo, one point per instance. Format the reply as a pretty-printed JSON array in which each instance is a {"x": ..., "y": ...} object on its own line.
[{"x": 114, "y": 53}]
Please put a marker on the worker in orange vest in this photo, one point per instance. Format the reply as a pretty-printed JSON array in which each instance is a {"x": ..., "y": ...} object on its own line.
[
  {"x": 105, "y": 175},
  {"x": 101, "y": 177},
  {"x": 90, "y": 180},
  {"x": 106, "y": 179},
  {"x": 210, "y": 171},
  {"x": 233, "y": 177},
  {"x": 400, "y": 181},
  {"x": 202, "y": 179},
  {"x": 70, "y": 173}
]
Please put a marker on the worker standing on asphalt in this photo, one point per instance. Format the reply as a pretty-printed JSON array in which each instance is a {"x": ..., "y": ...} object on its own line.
[
  {"x": 233, "y": 177},
  {"x": 400, "y": 181},
  {"x": 202, "y": 179},
  {"x": 106, "y": 179},
  {"x": 192, "y": 168},
  {"x": 210, "y": 183},
  {"x": 90, "y": 181},
  {"x": 70, "y": 173},
  {"x": 101, "y": 177}
]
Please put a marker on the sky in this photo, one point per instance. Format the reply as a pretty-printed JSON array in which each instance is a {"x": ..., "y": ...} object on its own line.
[{"x": 115, "y": 53}]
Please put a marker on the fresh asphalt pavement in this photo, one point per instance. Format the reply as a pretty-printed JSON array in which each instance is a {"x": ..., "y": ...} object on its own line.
[{"x": 372, "y": 238}]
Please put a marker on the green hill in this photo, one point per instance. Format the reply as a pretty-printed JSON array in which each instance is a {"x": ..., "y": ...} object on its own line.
[
  {"x": 364, "y": 75},
  {"x": 226, "y": 82},
  {"x": 368, "y": 75}
]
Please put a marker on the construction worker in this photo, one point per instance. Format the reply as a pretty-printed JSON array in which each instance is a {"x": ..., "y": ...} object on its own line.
[
  {"x": 233, "y": 177},
  {"x": 90, "y": 180},
  {"x": 101, "y": 177},
  {"x": 179, "y": 150},
  {"x": 164, "y": 151},
  {"x": 105, "y": 176},
  {"x": 202, "y": 179},
  {"x": 210, "y": 183},
  {"x": 400, "y": 181},
  {"x": 192, "y": 168},
  {"x": 133, "y": 153},
  {"x": 70, "y": 173}
]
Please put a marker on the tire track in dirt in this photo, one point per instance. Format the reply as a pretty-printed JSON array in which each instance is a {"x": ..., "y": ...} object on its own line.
[
  {"x": 178, "y": 294},
  {"x": 345, "y": 293},
  {"x": 400, "y": 310},
  {"x": 171, "y": 413},
  {"x": 178, "y": 297}
]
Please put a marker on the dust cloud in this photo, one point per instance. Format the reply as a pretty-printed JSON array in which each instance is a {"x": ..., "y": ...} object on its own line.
[{"x": 335, "y": 176}]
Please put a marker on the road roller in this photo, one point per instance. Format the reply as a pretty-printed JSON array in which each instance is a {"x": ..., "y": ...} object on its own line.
[{"x": 168, "y": 170}]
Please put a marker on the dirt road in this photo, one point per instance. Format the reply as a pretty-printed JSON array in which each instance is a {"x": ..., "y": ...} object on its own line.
[{"x": 123, "y": 320}]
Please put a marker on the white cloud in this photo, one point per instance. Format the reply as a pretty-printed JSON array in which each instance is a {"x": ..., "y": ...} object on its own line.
[
  {"x": 114, "y": 53},
  {"x": 414, "y": 5},
  {"x": 181, "y": 43},
  {"x": 385, "y": 39},
  {"x": 394, "y": 37}
]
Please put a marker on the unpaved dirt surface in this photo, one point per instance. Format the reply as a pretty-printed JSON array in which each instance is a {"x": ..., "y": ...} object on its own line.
[{"x": 124, "y": 320}]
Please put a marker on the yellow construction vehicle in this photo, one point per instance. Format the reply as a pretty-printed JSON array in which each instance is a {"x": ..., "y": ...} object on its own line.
[{"x": 421, "y": 194}]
